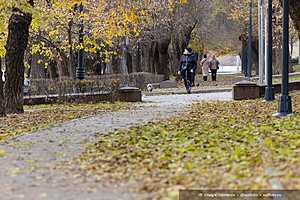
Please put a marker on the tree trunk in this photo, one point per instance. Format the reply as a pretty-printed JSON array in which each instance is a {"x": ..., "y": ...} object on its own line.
[
  {"x": 294, "y": 12},
  {"x": 18, "y": 33},
  {"x": 115, "y": 65},
  {"x": 299, "y": 49},
  {"x": 123, "y": 61},
  {"x": 136, "y": 58},
  {"x": 295, "y": 15},
  {"x": 163, "y": 47},
  {"x": 146, "y": 57},
  {"x": 60, "y": 67},
  {"x": 37, "y": 70},
  {"x": 243, "y": 55},
  {"x": 154, "y": 58},
  {"x": 52, "y": 70},
  {"x": 179, "y": 41},
  {"x": 160, "y": 56},
  {"x": 277, "y": 60},
  {"x": 2, "y": 100}
]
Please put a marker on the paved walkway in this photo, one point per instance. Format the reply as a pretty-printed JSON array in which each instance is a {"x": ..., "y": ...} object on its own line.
[
  {"x": 28, "y": 169},
  {"x": 199, "y": 90}
]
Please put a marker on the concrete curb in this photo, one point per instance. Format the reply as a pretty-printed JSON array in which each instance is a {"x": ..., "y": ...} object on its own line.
[{"x": 193, "y": 92}]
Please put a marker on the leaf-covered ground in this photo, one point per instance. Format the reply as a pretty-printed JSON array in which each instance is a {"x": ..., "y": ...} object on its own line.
[
  {"x": 41, "y": 116},
  {"x": 223, "y": 145}
]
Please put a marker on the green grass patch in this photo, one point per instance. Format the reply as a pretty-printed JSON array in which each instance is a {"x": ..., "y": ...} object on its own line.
[
  {"x": 291, "y": 78},
  {"x": 297, "y": 68},
  {"x": 217, "y": 145}
]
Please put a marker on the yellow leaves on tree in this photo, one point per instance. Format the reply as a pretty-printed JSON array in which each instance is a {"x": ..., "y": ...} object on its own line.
[
  {"x": 103, "y": 21},
  {"x": 184, "y": 2},
  {"x": 5, "y": 12}
]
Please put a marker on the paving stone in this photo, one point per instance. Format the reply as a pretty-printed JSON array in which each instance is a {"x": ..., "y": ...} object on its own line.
[{"x": 168, "y": 84}]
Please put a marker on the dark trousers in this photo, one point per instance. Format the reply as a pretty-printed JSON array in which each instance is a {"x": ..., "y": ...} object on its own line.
[
  {"x": 214, "y": 74},
  {"x": 187, "y": 76},
  {"x": 193, "y": 78}
]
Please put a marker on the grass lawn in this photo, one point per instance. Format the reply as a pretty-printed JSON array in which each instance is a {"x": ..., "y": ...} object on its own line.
[
  {"x": 42, "y": 116},
  {"x": 297, "y": 68},
  {"x": 291, "y": 78},
  {"x": 217, "y": 145}
]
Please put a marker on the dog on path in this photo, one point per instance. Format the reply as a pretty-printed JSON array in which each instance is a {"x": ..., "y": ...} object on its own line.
[{"x": 150, "y": 87}]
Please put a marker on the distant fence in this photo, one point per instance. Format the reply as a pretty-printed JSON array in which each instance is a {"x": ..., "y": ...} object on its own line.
[{"x": 92, "y": 84}]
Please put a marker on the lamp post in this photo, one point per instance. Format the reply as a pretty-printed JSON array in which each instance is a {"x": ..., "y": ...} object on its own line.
[
  {"x": 285, "y": 105},
  {"x": 261, "y": 29},
  {"x": 266, "y": 39},
  {"x": 269, "y": 91},
  {"x": 250, "y": 31},
  {"x": 80, "y": 71}
]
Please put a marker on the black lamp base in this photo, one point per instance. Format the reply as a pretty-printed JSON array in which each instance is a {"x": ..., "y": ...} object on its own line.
[
  {"x": 269, "y": 94},
  {"x": 285, "y": 106}
]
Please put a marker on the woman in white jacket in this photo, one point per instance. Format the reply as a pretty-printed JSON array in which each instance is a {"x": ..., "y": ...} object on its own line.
[{"x": 205, "y": 63}]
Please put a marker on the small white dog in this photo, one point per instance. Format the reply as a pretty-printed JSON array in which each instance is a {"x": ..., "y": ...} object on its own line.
[{"x": 150, "y": 87}]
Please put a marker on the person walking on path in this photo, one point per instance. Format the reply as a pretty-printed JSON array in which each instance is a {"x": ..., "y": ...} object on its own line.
[
  {"x": 195, "y": 68},
  {"x": 205, "y": 63},
  {"x": 214, "y": 66},
  {"x": 188, "y": 65}
]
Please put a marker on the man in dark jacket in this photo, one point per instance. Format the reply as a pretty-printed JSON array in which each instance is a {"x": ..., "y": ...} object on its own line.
[{"x": 187, "y": 68}]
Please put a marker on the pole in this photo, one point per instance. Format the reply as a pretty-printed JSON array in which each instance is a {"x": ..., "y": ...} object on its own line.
[
  {"x": 261, "y": 24},
  {"x": 80, "y": 71},
  {"x": 266, "y": 39},
  {"x": 299, "y": 49},
  {"x": 250, "y": 30},
  {"x": 269, "y": 91},
  {"x": 285, "y": 106}
]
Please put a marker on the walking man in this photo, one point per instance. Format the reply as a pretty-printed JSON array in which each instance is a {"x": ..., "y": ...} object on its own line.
[
  {"x": 187, "y": 68},
  {"x": 214, "y": 66}
]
